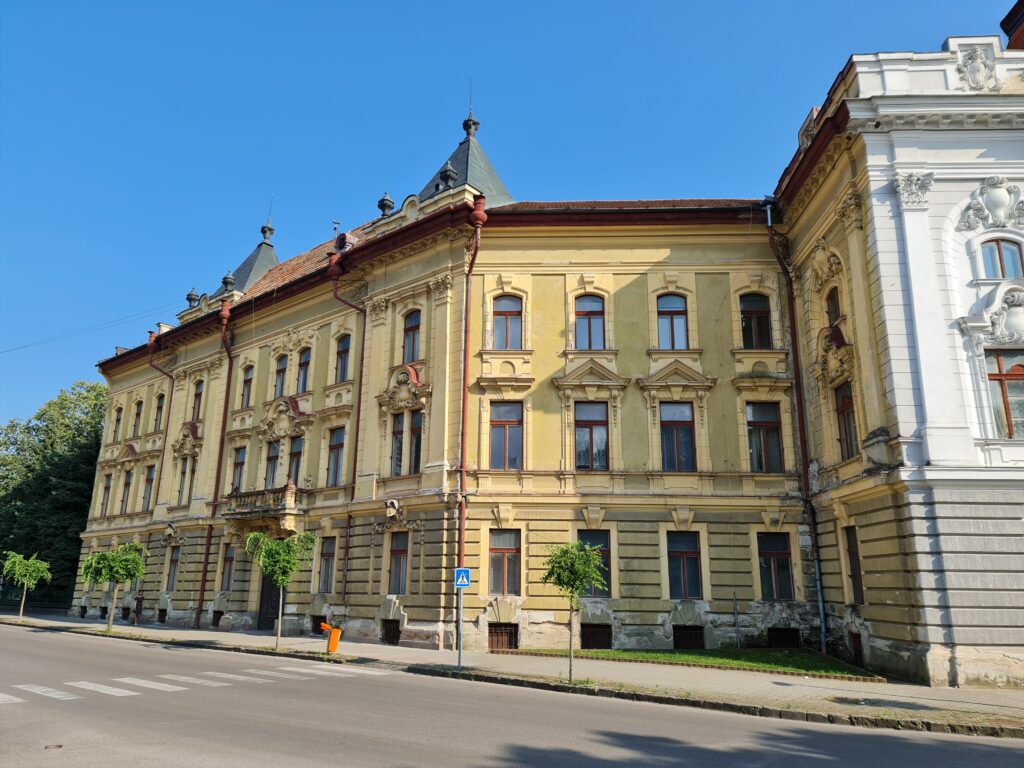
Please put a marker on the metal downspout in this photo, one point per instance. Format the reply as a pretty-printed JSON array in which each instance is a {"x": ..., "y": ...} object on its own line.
[
  {"x": 225, "y": 318},
  {"x": 780, "y": 243}
]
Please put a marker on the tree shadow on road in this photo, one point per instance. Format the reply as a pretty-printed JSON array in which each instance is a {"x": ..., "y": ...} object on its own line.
[{"x": 790, "y": 748}]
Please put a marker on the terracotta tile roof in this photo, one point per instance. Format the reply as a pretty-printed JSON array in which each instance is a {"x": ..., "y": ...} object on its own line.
[{"x": 571, "y": 205}]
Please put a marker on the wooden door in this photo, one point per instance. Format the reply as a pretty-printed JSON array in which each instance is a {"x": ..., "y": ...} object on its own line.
[{"x": 269, "y": 599}]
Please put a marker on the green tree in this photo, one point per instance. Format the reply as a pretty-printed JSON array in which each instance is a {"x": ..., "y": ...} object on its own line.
[
  {"x": 574, "y": 568},
  {"x": 26, "y": 573},
  {"x": 47, "y": 468},
  {"x": 280, "y": 559},
  {"x": 116, "y": 566}
]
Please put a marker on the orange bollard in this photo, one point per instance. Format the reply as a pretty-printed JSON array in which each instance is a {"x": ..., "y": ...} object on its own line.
[{"x": 333, "y": 638}]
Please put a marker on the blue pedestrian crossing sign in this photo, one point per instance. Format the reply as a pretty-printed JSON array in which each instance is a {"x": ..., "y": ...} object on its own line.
[{"x": 461, "y": 578}]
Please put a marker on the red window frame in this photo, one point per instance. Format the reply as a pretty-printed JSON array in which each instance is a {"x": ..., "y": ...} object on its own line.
[
  {"x": 759, "y": 430},
  {"x": 777, "y": 559},
  {"x": 501, "y": 427},
  {"x": 1001, "y": 259},
  {"x": 504, "y": 556},
  {"x": 588, "y": 317},
  {"x": 756, "y": 322},
  {"x": 678, "y": 429},
  {"x": 589, "y": 425},
  {"x": 678, "y": 558},
  {"x": 506, "y": 319},
  {"x": 398, "y": 564},
  {"x": 1001, "y": 377}
]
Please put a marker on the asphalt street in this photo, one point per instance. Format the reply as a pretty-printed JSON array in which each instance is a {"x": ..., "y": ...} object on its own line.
[{"x": 72, "y": 700}]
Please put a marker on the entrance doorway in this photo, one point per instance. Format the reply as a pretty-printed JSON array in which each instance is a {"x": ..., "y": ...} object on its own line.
[{"x": 269, "y": 600}]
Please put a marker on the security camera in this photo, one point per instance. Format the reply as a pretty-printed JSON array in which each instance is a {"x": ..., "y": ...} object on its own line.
[{"x": 391, "y": 507}]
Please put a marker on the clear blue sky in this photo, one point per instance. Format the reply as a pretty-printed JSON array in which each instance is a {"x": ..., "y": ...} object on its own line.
[{"x": 140, "y": 143}]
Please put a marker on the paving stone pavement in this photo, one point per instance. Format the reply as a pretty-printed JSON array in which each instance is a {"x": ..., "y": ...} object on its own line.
[{"x": 895, "y": 699}]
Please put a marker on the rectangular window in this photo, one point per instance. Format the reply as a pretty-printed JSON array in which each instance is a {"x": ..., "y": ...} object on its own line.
[
  {"x": 601, "y": 540},
  {"x": 197, "y": 402},
  {"x": 505, "y": 555},
  {"x": 415, "y": 442},
  {"x": 182, "y": 481},
  {"x": 238, "y": 470},
  {"x": 192, "y": 478},
  {"x": 158, "y": 417},
  {"x": 172, "y": 568},
  {"x": 1006, "y": 385},
  {"x": 411, "y": 338},
  {"x": 589, "y": 322},
  {"x": 397, "y": 438},
  {"x": 137, "y": 421},
  {"x": 591, "y": 437},
  {"x": 105, "y": 503},
  {"x": 273, "y": 454},
  {"x": 325, "y": 581},
  {"x": 684, "y": 566},
  {"x": 335, "y": 454},
  {"x": 846, "y": 421},
  {"x": 678, "y": 452},
  {"x": 508, "y": 322},
  {"x": 117, "y": 424},
  {"x": 399, "y": 563},
  {"x": 126, "y": 490},
  {"x": 341, "y": 367},
  {"x": 755, "y": 321},
  {"x": 227, "y": 570},
  {"x": 280, "y": 373},
  {"x": 506, "y": 435},
  {"x": 147, "y": 490},
  {"x": 247, "y": 386},
  {"x": 295, "y": 460},
  {"x": 764, "y": 437},
  {"x": 853, "y": 558},
  {"x": 775, "y": 566},
  {"x": 302, "y": 383}
]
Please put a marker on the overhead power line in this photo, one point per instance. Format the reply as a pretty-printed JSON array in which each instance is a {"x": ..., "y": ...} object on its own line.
[{"x": 90, "y": 329}]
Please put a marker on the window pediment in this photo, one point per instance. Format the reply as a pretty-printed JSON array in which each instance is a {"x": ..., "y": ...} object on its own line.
[
  {"x": 188, "y": 442},
  {"x": 677, "y": 382},
  {"x": 406, "y": 392},
  {"x": 591, "y": 375}
]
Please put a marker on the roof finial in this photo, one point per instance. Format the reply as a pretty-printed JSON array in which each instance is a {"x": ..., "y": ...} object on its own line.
[
  {"x": 267, "y": 230},
  {"x": 386, "y": 205},
  {"x": 470, "y": 125}
]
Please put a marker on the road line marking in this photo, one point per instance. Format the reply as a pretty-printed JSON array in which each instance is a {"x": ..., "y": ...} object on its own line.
[
  {"x": 244, "y": 678},
  {"x": 326, "y": 672},
  {"x": 107, "y": 689},
  {"x": 194, "y": 680},
  {"x": 8, "y": 699},
  {"x": 52, "y": 693},
  {"x": 271, "y": 673},
  {"x": 149, "y": 684},
  {"x": 362, "y": 671}
]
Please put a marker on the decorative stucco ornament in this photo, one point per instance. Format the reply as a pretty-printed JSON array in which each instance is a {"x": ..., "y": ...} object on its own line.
[
  {"x": 1008, "y": 320},
  {"x": 977, "y": 72},
  {"x": 913, "y": 189},
  {"x": 996, "y": 203}
]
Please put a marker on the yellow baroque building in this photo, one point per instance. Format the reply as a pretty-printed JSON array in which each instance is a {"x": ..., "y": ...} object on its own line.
[{"x": 786, "y": 421}]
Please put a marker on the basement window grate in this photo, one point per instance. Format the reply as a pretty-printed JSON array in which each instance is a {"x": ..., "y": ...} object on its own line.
[
  {"x": 390, "y": 631},
  {"x": 595, "y": 636},
  {"x": 783, "y": 637},
  {"x": 502, "y": 636},
  {"x": 687, "y": 637}
]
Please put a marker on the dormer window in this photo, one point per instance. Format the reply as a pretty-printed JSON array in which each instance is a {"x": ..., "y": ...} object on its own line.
[{"x": 1002, "y": 259}]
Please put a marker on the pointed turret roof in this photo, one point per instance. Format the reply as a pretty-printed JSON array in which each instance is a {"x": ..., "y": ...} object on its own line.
[
  {"x": 256, "y": 264},
  {"x": 468, "y": 164}
]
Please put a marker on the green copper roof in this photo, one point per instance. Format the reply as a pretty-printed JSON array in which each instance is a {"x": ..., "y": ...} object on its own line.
[{"x": 470, "y": 166}]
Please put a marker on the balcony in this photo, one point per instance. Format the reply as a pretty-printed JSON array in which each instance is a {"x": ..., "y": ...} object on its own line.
[{"x": 278, "y": 507}]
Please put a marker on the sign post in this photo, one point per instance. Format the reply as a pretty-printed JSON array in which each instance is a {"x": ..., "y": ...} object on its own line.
[{"x": 462, "y": 582}]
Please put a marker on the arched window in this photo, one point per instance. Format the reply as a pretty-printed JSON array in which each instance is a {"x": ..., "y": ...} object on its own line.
[
  {"x": 118, "y": 414},
  {"x": 197, "y": 401},
  {"x": 158, "y": 417},
  {"x": 1002, "y": 259},
  {"x": 137, "y": 421},
  {"x": 302, "y": 382},
  {"x": 589, "y": 322},
  {"x": 508, "y": 322},
  {"x": 279, "y": 375},
  {"x": 247, "y": 374},
  {"x": 672, "y": 322},
  {"x": 411, "y": 337},
  {"x": 832, "y": 309},
  {"x": 756, "y": 321},
  {"x": 341, "y": 367}
]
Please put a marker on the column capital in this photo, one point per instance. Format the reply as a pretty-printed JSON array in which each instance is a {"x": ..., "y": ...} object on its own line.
[{"x": 912, "y": 189}]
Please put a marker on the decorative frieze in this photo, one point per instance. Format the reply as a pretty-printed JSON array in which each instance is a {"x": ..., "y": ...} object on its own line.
[
  {"x": 441, "y": 288},
  {"x": 378, "y": 309},
  {"x": 848, "y": 211},
  {"x": 977, "y": 72}
]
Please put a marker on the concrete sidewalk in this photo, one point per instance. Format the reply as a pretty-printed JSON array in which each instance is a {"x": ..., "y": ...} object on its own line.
[{"x": 848, "y": 701}]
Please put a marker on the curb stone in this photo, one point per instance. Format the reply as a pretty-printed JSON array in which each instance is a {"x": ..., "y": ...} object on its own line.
[{"x": 862, "y": 721}]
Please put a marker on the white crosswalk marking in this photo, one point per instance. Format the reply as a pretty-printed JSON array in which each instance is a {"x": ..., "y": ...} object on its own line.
[
  {"x": 8, "y": 699},
  {"x": 194, "y": 680},
  {"x": 327, "y": 672},
  {"x": 52, "y": 693},
  {"x": 243, "y": 678},
  {"x": 271, "y": 673},
  {"x": 363, "y": 670},
  {"x": 149, "y": 684},
  {"x": 107, "y": 689}
]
